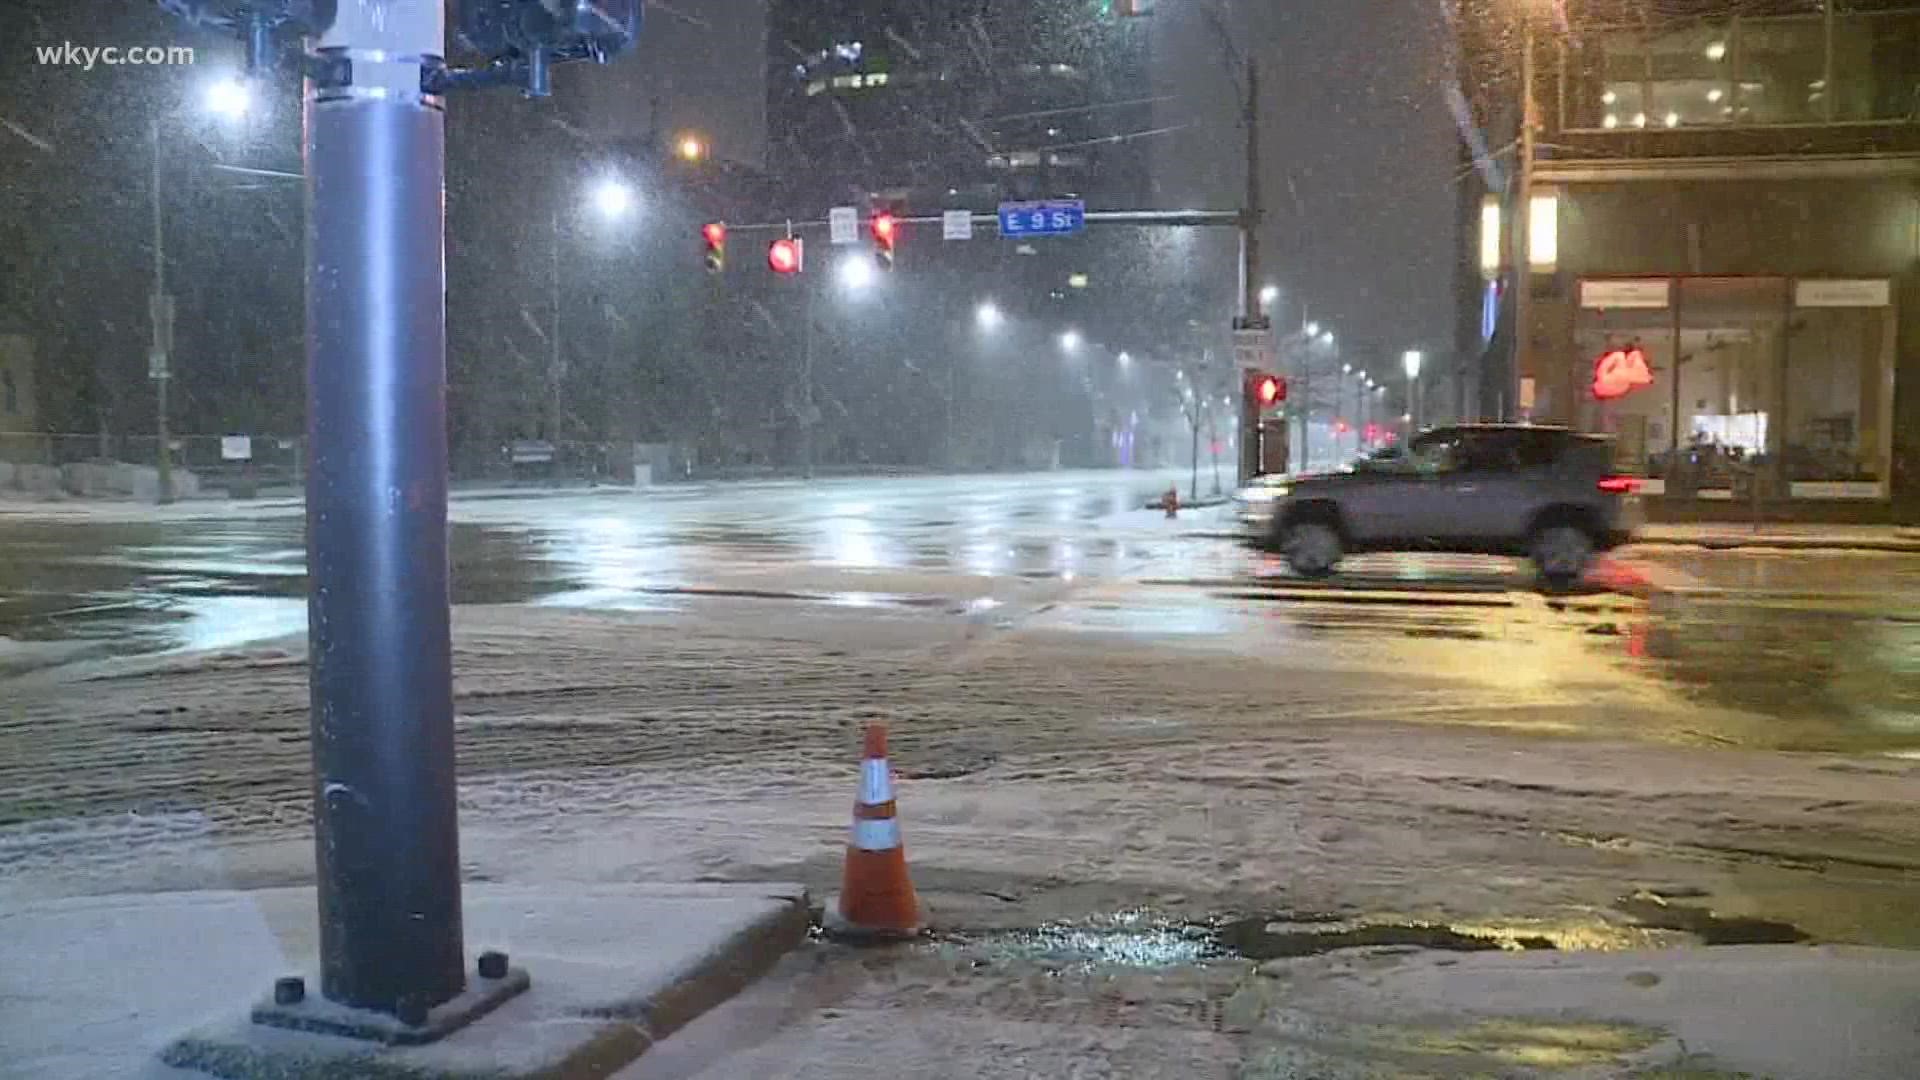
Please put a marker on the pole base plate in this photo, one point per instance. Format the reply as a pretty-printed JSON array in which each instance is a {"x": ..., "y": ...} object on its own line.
[{"x": 322, "y": 1017}]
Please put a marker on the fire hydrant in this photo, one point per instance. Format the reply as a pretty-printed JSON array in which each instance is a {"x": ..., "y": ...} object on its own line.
[{"x": 1170, "y": 502}]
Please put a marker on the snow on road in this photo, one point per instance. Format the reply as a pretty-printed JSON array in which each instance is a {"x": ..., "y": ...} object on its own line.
[{"x": 1047, "y": 771}]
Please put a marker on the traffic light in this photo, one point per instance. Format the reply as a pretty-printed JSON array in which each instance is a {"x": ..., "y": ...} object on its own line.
[
  {"x": 1268, "y": 391},
  {"x": 715, "y": 235},
  {"x": 787, "y": 256},
  {"x": 886, "y": 230}
]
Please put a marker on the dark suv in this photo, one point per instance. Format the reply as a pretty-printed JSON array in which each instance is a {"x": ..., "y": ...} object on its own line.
[{"x": 1546, "y": 493}]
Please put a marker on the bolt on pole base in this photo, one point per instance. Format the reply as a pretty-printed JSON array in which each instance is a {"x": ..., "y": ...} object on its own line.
[{"x": 289, "y": 1007}]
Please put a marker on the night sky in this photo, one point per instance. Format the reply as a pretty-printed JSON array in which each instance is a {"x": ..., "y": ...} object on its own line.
[{"x": 1358, "y": 145}]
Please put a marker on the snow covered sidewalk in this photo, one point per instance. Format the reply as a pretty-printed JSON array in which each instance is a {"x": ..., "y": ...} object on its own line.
[{"x": 1788, "y": 537}]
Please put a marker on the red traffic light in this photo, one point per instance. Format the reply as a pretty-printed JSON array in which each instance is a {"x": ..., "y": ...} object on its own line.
[
  {"x": 885, "y": 228},
  {"x": 1267, "y": 390},
  {"x": 786, "y": 256},
  {"x": 715, "y": 234}
]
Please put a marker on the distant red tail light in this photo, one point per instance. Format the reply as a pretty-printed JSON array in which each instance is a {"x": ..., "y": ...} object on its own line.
[{"x": 1620, "y": 485}]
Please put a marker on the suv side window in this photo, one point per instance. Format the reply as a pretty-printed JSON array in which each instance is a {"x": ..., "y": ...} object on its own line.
[
  {"x": 1434, "y": 454},
  {"x": 1492, "y": 452}
]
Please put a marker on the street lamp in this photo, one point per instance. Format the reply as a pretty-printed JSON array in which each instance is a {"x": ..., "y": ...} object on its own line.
[
  {"x": 1125, "y": 360},
  {"x": 691, "y": 148},
  {"x": 228, "y": 98},
  {"x": 988, "y": 315},
  {"x": 857, "y": 273},
  {"x": 1313, "y": 329},
  {"x": 1268, "y": 295},
  {"x": 612, "y": 197},
  {"x": 1070, "y": 341}
]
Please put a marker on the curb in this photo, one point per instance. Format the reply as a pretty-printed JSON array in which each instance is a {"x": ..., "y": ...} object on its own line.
[{"x": 1783, "y": 543}]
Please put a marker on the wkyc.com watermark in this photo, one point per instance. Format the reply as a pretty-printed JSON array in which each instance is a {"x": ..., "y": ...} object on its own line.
[{"x": 85, "y": 57}]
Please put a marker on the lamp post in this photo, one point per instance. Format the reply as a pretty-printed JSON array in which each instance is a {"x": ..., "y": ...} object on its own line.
[
  {"x": 613, "y": 199},
  {"x": 229, "y": 99}
]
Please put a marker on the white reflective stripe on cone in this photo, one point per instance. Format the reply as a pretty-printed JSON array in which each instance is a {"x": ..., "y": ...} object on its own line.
[
  {"x": 883, "y": 835},
  {"x": 876, "y": 783}
]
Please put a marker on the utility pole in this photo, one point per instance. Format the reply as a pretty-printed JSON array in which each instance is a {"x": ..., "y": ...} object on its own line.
[
  {"x": 385, "y": 822},
  {"x": 160, "y": 310},
  {"x": 1522, "y": 229}
]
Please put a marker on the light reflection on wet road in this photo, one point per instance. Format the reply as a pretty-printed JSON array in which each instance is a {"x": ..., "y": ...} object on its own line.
[{"x": 1780, "y": 634}]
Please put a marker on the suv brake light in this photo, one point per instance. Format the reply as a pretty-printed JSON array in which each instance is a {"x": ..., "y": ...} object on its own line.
[{"x": 1620, "y": 485}]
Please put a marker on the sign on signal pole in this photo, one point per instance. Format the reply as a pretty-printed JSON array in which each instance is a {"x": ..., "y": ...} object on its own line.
[
  {"x": 957, "y": 224},
  {"x": 843, "y": 225}
]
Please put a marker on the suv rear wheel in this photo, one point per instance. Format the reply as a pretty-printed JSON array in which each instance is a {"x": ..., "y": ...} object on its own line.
[
  {"x": 1562, "y": 554},
  {"x": 1312, "y": 548}
]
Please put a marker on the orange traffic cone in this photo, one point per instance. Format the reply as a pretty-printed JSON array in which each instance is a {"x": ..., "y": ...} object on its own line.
[{"x": 876, "y": 900}]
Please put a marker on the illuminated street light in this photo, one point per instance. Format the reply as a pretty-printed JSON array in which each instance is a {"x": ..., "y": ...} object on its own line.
[
  {"x": 1410, "y": 361},
  {"x": 613, "y": 198},
  {"x": 229, "y": 98},
  {"x": 1346, "y": 369},
  {"x": 1313, "y": 329},
  {"x": 1070, "y": 341},
  {"x": 988, "y": 315},
  {"x": 691, "y": 148},
  {"x": 1327, "y": 338},
  {"x": 857, "y": 273},
  {"x": 1269, "y": 294},
  {"x": 1125, "y": 360}
]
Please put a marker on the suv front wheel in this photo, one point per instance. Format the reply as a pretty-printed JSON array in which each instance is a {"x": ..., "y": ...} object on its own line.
[
  {"x": 1312, "y": 548},
  {"x": 1561, "y": 553}
]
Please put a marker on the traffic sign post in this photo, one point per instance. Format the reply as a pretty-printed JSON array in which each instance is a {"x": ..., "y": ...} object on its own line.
[
  {"x": 957, "y": 225},
  {"x": 1057, "y": 217}
]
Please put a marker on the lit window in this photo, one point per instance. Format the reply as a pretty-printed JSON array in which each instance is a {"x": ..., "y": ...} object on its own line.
[
  {"x": 1543, "y": 231},
  {"x": 845, "y": 81},
  {"x": 1611, "y": 121},
  {"x": 878, "y": 78},
  {"x": 1490, "y": 236},
  {"x": 1714, "y": 95},
  {"x": 1673, "y": 119},
  {"x": 1717, "y": 51},
  {"x": 818, "y": 86},
  {"x": 1639, "y": 119},
  {"x": 1024, "y": 159},
  {"x": 1609, "y": 98}
]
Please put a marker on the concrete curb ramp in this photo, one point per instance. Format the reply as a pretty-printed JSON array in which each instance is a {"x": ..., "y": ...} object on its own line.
[{"x": 115, "y": 986}]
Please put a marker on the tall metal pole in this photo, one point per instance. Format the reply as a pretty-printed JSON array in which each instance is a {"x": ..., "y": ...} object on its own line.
[
  {"x": 1522, "y": 227},
  {"x": 807, "y": 417},
  {"x": 1251, "y": 281},
  {"x": 385, "y": 822},
  {"x": 556, "y": 362},
  {"x": 160, "y": 310}
]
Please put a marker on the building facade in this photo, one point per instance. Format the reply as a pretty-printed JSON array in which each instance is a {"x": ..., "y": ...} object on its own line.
[
  {"x": 949, "y": 104},
  {"x": 1718, "y": 238}
]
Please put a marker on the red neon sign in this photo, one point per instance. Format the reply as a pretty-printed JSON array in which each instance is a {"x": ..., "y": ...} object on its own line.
[{"x": 1620, "y": 372}]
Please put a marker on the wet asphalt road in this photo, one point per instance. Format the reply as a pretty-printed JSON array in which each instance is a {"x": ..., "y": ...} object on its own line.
[{"x": 1829, "y": 642}]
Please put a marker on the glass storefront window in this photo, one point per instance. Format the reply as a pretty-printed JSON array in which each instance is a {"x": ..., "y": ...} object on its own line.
[
  {"x": 1792, "y": 381},
  {"x": 1643, "y": 419},
  {"x": 1728, "y": 393},
  {"x": 1838, "y": 422}
]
